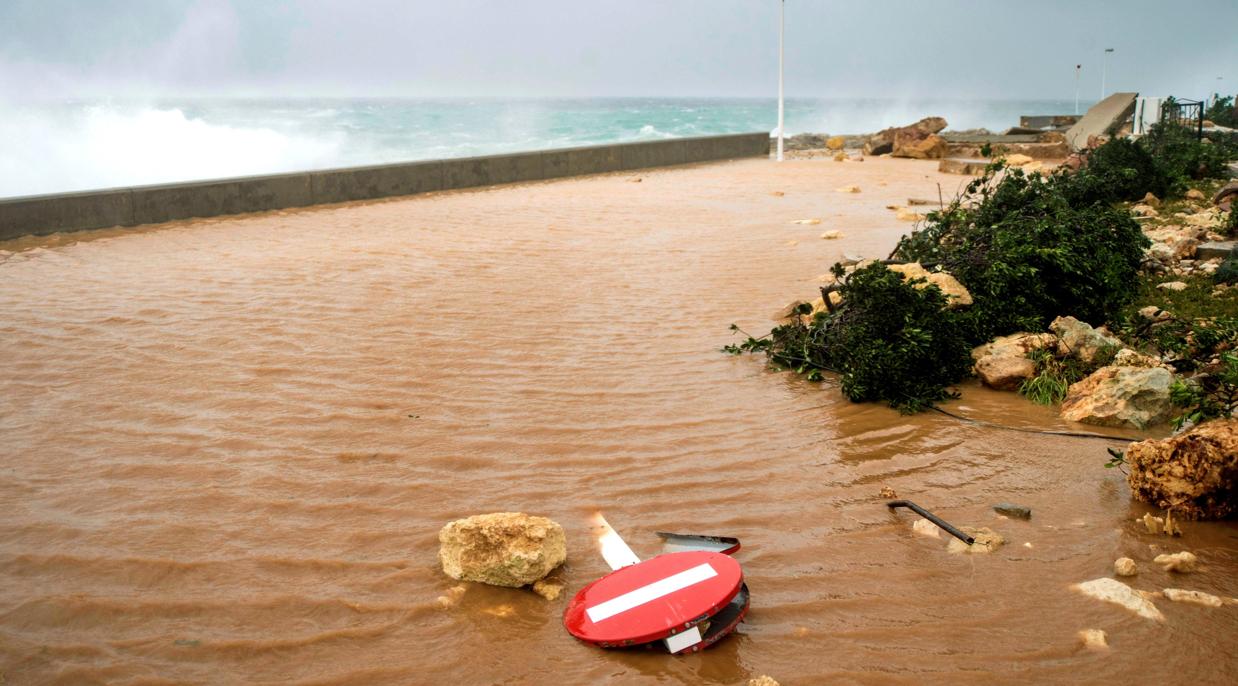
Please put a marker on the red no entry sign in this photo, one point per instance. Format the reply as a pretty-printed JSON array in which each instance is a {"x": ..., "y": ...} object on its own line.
[{"x": 656, "y": 599}]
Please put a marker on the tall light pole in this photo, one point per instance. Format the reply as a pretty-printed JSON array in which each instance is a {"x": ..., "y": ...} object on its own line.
[
  {"x": 782, "y": 6},
  {"x": 1077, "y": 68},
  {"x": 1104, "y": 71}
]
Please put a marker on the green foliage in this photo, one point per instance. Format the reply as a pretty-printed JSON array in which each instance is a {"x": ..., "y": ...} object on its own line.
[
  {"x": 889, "y": 342},
  {"x": 1209, "y": 395},
  {"x": 1027, "y": 253},
  {"x": 1181, "y": 155},
  {"x": 1230, "y": 227},
  {"x": 1223, "y": 112},
  {"x": 1117, "y": 458},
  {"x": 1055, "y": 373},
  {"x": 1119, "y": 170},
  {"x": 1227, "y": 273}
]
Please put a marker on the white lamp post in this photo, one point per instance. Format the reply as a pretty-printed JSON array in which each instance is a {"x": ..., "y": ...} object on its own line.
[
  {"x": 782, "y": 6},
  {"x": 1077, "y": 68},
  {"x": 1104, "y": 71}
]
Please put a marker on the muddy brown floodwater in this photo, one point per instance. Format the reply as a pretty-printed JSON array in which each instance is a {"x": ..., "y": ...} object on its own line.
[{"x": 228, "y": 447}]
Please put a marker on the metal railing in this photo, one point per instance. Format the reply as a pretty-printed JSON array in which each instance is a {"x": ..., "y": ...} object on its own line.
[{"x": 1188, "y": 113}]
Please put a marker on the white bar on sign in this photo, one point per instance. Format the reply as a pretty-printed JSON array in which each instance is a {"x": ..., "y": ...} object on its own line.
[
  {"x": 686, "y": 639},
  {"x": 655, "y": 590}
]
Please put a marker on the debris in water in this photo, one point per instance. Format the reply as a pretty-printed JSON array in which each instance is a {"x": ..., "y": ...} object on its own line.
[
  {"x": 986, "y": 541},
  {"x": 811, "y": 222},
  {"x": 904, "y": 215},
  {"x": 832, "y": 235},
  {"x": 1012, "y": 510},
  {"x": 503, "y": 611},
  {"x": 452, "y": 597},
  {"x": 1178, "y": 562},
  {"x": 763, "y": 681},
  {"x": 792, "y": 243},
  {"x": 1157, "y": 525},
  {"x": 1094, "y": 639},
  {"x": 1124, "y": 566},
  {"x": 1194, "y": 597},
  {"x": 1118, "y": 593},
  {"x": 548, "y": 589},
  {"x": 887, "y": 493},
  {"x": 635, "y": 180},
  {"x": 848, "y": 189},
  {"x": 926, "y": 528},
  {"x": 777, "y": 194}
]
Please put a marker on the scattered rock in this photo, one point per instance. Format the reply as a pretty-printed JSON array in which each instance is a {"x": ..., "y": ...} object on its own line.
[
  {"x": 1004, "y": 372},
  {"x": 926, "y": 528},
  {"x": 956, "y": 294},
  {"x": 1194, "y": 473},
  {"x": 635, "y": 180},
  {"x": 1151, "y": 200},
  {"x": 832, "y": 235},
  {"x": 548, "y": 589},
  {"x": 777, "y": 194},
  {"x": 1012, "y": 510},
  {"x": 931, "y": 147},
  {"x": 1016, "y": 345},
  {"x": 987, "y": 541},
  {"x": 1144, "y": 211},
  {"x": 835, "y": 142},
  {"x": 1205, "y": 219},
  {"x": 1124, "y": 566},
  {"x": 840, "y": 156},
  {"x": 1195, "y": 194},
  {"x": 1017, "y": 160},
  {"x": 811, "y": 222},
  {"x": 889, "y": 140},
  {"x": 1129, "y": 358},
  {"x": 1120, "y": 396},
  {"x": 905, "y": 215},
  {"x": 1155, "y": 314},
  {"x": 1195, "y": 597},
  {"x": 762, "y": 681},
  {"x": 1118, "y": 593},
  {"x": 848, "y": 189},
  {"x": 502, "y": 549},
  {"x": 1172, "y": 286},
  {"x": 1183, "y": 562},
  {"x": 1080, "y": 340},
  {"x": 1094, "y": 639},
  {"x": 1157, "y": 525},
  {"x": 887, "y": 493}
]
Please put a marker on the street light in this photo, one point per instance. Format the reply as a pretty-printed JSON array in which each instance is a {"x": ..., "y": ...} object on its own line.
[
  {"x": 782, "y": 6},
  {"x": 1104, "y": 71},
  {"x": 1077, "y": 68}
]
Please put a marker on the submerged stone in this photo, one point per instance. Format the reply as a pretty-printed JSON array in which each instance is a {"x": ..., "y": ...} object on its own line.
[
  {"x": 1012, "y": 510},
  {"x": 1118, "y": 593}
]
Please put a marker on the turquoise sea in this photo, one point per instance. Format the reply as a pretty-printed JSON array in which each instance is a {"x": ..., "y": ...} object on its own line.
[{"x": 50, "y": 147}]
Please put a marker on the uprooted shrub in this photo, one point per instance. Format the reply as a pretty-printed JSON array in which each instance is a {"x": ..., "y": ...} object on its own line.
[
  {"x": 1028, "y": 254},
  {"x": 1119, "y": 170},
  {"x": 1182, "y": 156},
  {"x": 889, "y": 341}
]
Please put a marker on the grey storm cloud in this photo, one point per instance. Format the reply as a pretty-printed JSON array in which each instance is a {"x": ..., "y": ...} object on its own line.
[{"x": 881, "y": 48}]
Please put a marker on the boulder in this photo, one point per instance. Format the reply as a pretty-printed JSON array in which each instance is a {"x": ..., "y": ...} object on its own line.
[
  {"x": 931, "y": 147},
  {"x": 986, "y": 541},
  {"x": 1142, "y": 210},
  {"x": 1225, "y": 194},
  {"x": 1124, "y": 566},
  {"x": 1195, "y": 194},
  {"x": 1194, "y": 473},
  {"x": 502, "y": 549},
  {"x": 910, "y": 139},
  {"x": 956, "y": 294},
  {"x": 1120, "y": 396},
  {"x": 1151, "y": 200},
  {"x": 1004, "y": 372},
  {"x": 1129, "y": 358},
  {"x": 1015, "y": 345},
  {"x": 1118, "y": 593},
  {"x": 1080, "y": 339}
]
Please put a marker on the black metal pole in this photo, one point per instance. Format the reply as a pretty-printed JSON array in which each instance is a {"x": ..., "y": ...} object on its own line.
[{"x": 933, "y": 518}]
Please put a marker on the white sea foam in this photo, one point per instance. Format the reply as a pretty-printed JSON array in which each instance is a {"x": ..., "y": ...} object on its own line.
[{"x": 47, "y": 151}]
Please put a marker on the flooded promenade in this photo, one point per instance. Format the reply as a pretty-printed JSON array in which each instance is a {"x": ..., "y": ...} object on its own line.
[{"x": 229, "y": 445}]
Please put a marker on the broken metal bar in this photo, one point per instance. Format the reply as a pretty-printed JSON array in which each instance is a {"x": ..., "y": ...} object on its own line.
[{"x": 932, "y": 518}]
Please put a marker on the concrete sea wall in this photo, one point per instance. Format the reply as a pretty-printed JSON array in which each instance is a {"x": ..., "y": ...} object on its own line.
[{"x": 45, "y": 214}]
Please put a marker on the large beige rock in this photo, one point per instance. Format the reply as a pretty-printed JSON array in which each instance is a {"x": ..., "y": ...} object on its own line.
[
  {"x": 1118, "y": 593},
  {"x": 931, "y": 147},
  {"x": 1079, "y": 339},
  {"x": 886, "y": 140},
  {"x": 1004, "y": 372},
  {"x": 1194, "y": 474},
  {"x": 956, "y": 294},
  {"x": 1124, "y": 566},
  {"x": 1177, "y": 562},
  {"x": 1120, "y": 396},
  {"x": 1015, "y": 345},
  {"x": 502, "y": 549},
  {"x": 1179, "y": 595}
]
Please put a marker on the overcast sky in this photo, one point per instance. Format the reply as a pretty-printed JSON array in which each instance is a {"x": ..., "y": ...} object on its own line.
[{"x": 879, "y": 48}]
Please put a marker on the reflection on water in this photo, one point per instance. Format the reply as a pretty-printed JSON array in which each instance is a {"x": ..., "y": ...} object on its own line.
[{"x": 229, "y": 446}]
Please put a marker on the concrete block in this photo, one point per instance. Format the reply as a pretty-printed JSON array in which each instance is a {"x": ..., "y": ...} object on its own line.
[
  {"x": 554, "y": 163},
  {"x": 39, "y": 215},
  {"x": 485, "y": 171},
  {"x": 653, "y": 154},
  {"x": 698, "y": 149},
  {"x": 382, "y": 181},
  {"x": 1103, "y": 118},
  {"x": 157, "y": 204},
  {"x": 261, "y": 193},
  {"x": 594, "y": 160}
]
